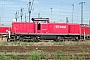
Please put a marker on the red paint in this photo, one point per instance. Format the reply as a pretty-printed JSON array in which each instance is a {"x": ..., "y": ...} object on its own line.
[
  {"x": 22, "y": 27},
  {"x": 85, "y": 29},
  {"x": 48, "y": 28},
  {"x": 58, "y": 28},
  {"x": 74, "y": 28},
  {"x": 4, "y": 29}
]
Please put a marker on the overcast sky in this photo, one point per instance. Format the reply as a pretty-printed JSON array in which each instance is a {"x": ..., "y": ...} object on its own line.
[{"x": 60, "y": 10}]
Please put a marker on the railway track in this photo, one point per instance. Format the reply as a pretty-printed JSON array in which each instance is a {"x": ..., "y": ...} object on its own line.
[
  {"x": 52, "y": 56},
  {"x": 79, "y": 50},
  {"x": 76, "y": 49}
]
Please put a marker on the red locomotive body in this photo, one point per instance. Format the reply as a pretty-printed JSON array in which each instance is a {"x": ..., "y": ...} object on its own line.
[
  {"x": 41, "y": 28},
  {"x": 4, "y": 30},
  {"x": 85, "y": 31},
  {"x": 58, "y": 28},
  {"x": 22, "y": 27},
  {"x": 74, "y": 29}
]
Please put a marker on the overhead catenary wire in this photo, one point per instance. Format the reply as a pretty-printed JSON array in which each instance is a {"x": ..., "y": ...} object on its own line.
[{"x": 10, "y": 9}]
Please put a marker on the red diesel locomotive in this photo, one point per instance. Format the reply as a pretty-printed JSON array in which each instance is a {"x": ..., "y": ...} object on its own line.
[
  {"x": 4, "y": 30},
  {"x": 42, "y": 29}
]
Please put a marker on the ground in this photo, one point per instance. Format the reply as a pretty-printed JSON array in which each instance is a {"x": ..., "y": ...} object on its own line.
[
  {"x": 66, "y": 49},
  {"x": 3, "y": 40}
]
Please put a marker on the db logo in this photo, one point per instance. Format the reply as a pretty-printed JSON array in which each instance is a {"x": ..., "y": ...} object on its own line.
[{"x": 59, "y": 26}]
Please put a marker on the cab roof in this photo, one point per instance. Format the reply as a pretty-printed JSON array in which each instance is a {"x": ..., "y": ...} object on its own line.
[{"x": 40, "y": 19}]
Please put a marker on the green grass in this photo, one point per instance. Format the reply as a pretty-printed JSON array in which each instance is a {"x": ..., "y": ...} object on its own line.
[{"x": 35, "y": 55}]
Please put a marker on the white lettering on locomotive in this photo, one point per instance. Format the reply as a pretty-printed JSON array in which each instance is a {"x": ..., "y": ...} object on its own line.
[{"x": 59, "y": 26}]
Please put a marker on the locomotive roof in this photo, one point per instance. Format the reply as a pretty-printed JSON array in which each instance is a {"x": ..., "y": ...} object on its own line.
[{"x": 40, "y": 19}]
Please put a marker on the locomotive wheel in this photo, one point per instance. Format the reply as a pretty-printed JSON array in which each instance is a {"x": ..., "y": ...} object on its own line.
[
  {"x": 7, "y": 39},
  {"x": 21, "y": 39},
  {"x": 36, "y": 40}
]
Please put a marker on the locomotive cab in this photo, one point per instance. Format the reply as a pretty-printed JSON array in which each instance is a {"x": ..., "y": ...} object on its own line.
[{"x": 41, "y": 25}]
